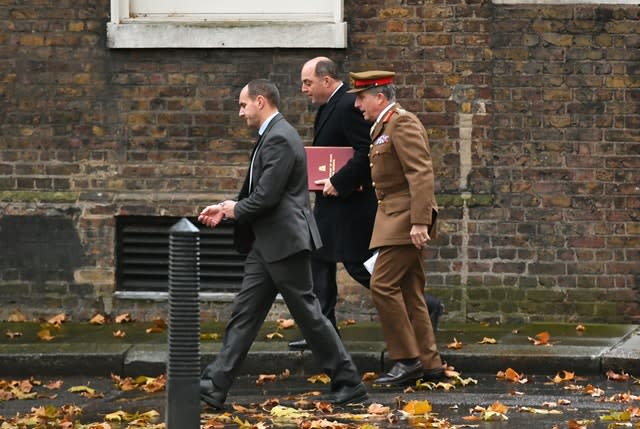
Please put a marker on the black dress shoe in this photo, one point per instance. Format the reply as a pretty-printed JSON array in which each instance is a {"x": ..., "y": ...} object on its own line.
[
  {"x": 299, "y": 345},
  {"x": 210, "y": 396},
  {"x": 433, "y": 374},
  {"x": 347, "y": 395},
  {"x": 401, "y": 374}
]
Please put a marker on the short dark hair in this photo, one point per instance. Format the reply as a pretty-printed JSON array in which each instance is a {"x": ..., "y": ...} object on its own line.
[
  {"x": 327, "y": 68},
  {"x": 266, "y": 88}
]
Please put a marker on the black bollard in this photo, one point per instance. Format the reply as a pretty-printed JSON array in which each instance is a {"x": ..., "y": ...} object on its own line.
[{"x": 183, "y": 365}]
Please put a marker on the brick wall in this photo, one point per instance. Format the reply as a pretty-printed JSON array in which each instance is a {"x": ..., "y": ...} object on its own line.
[{"x": 533, "y": 114}]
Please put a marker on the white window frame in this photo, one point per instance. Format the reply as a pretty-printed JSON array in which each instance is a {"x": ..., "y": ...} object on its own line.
[{"x": 231, "y": 24}]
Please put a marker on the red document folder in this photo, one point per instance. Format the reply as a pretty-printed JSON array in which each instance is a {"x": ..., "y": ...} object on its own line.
[{"x": 324, "y": 161}]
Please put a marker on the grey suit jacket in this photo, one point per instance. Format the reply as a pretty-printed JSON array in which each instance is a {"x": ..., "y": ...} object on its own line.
[{"x": 277, "y": 207}]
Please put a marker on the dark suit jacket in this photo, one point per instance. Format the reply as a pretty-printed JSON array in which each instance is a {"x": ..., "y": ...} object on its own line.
[
  {"x": 345, "y": 222},
  {"x": 277, "y": 207}
]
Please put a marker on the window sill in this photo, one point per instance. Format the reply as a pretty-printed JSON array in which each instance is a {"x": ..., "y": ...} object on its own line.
[{"x": 227, "y": 35}]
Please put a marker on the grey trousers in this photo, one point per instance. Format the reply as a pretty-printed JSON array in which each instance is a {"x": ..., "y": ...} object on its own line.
[{"x": 262, "y": 281}]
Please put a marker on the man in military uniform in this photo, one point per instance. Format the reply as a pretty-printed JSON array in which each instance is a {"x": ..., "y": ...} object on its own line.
[{"x": 403, "y": 178}]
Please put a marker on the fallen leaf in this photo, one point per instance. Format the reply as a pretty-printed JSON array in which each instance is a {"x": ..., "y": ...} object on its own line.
[
  {"x": 417, "y": 407},
  {"x": 85, "y": 391},
  {"x": 348, "y": 322},
  {"x": 319, "y": 378},
  {"x": 119, "y": 334},
  {"x": 17, "y": 316},
  {"x": 369, "y": 376},
  {"x": 273, "y": 335},
  {"x": 262, "y": 378},
  {"x": 123, "y": 318},
  {"x": 593, "y": 391},
  {"x": 286, "y": 323},
  {"x": 45, "y": 335},
  {"x": 159, "y": 326},
  {"x": 54, "y": 385},
  {"x": 511, "y": 375},
  {"x": 568, "y": 376},
  {"x": 209, "y": 336},
  {"x": 487, "y": 340},
  {"x": 323, "y": 407},
  {"x": 455, "y": 344},
  {"x": 612, "y": 375},
  {"x": 283, "y": 412},
  {"x": 538, "y": 410},
  {"x": 581, "y": 328},
  {"x": 240, "y": 409},
  {"x": 98, "y": 319},
  {"x": 541, "y": 339},
  {"x": 58, "y": 320},
  {"x": 376, "y": 408},
  {"x": 12, "y": 334}
]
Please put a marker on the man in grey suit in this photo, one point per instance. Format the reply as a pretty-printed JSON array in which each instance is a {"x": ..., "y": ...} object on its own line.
[{"x": 274, "y": 223}]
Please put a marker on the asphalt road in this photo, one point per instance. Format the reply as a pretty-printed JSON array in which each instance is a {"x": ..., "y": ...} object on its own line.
[{"x": 538, "y": 403}]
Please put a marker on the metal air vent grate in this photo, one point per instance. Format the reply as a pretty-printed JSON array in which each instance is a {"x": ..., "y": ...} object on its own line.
[{"x": 142, "y": 244}]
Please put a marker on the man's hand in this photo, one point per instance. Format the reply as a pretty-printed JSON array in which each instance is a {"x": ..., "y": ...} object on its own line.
[
  {"x": 328, "y": 190},
  {"x": 420, "y": 235},
  {"x": 212, "y": 215}
]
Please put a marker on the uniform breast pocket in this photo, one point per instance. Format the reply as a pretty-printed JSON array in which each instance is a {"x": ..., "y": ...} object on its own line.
[{"x": 384, "y": 163}]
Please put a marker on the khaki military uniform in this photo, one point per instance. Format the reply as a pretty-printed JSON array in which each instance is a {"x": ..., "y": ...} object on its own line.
[{"x": 403, "y": 177}]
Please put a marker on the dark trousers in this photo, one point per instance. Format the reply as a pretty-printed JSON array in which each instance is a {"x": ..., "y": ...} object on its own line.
[
  {"x": 326, "y": 288},
  {"x": 262, "y": 281}
]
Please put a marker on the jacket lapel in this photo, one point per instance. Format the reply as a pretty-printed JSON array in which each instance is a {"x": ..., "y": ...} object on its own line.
[{"x": 325, "y": 111}]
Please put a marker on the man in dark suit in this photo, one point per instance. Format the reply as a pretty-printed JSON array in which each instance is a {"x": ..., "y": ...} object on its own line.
[
  {"x": 275, "y": 224},
  {"x": 345, "y": 209}
]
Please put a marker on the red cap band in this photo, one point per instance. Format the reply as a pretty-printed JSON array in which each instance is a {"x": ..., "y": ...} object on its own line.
[{"x": 372, "y": 82}]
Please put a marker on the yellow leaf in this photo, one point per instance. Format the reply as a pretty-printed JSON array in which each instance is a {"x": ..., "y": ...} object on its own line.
[
  {"x": 581, "y": 328},
  {"x": 11, "y": 335},
  {"x": 117, "y": 416},
  {"x": 348, "y": 322},
  {"x": 280, "y": 411},
  {"x": 45, "y": 335},
  {"x": 119, "y": 334},
  {"x": 275, "y": 334},
  {"x": 319, "y": 378},
  {"x": 417, "y": 407},
  {"x": 212, "y": 336},
  {"x": 487, "y": 340}
]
